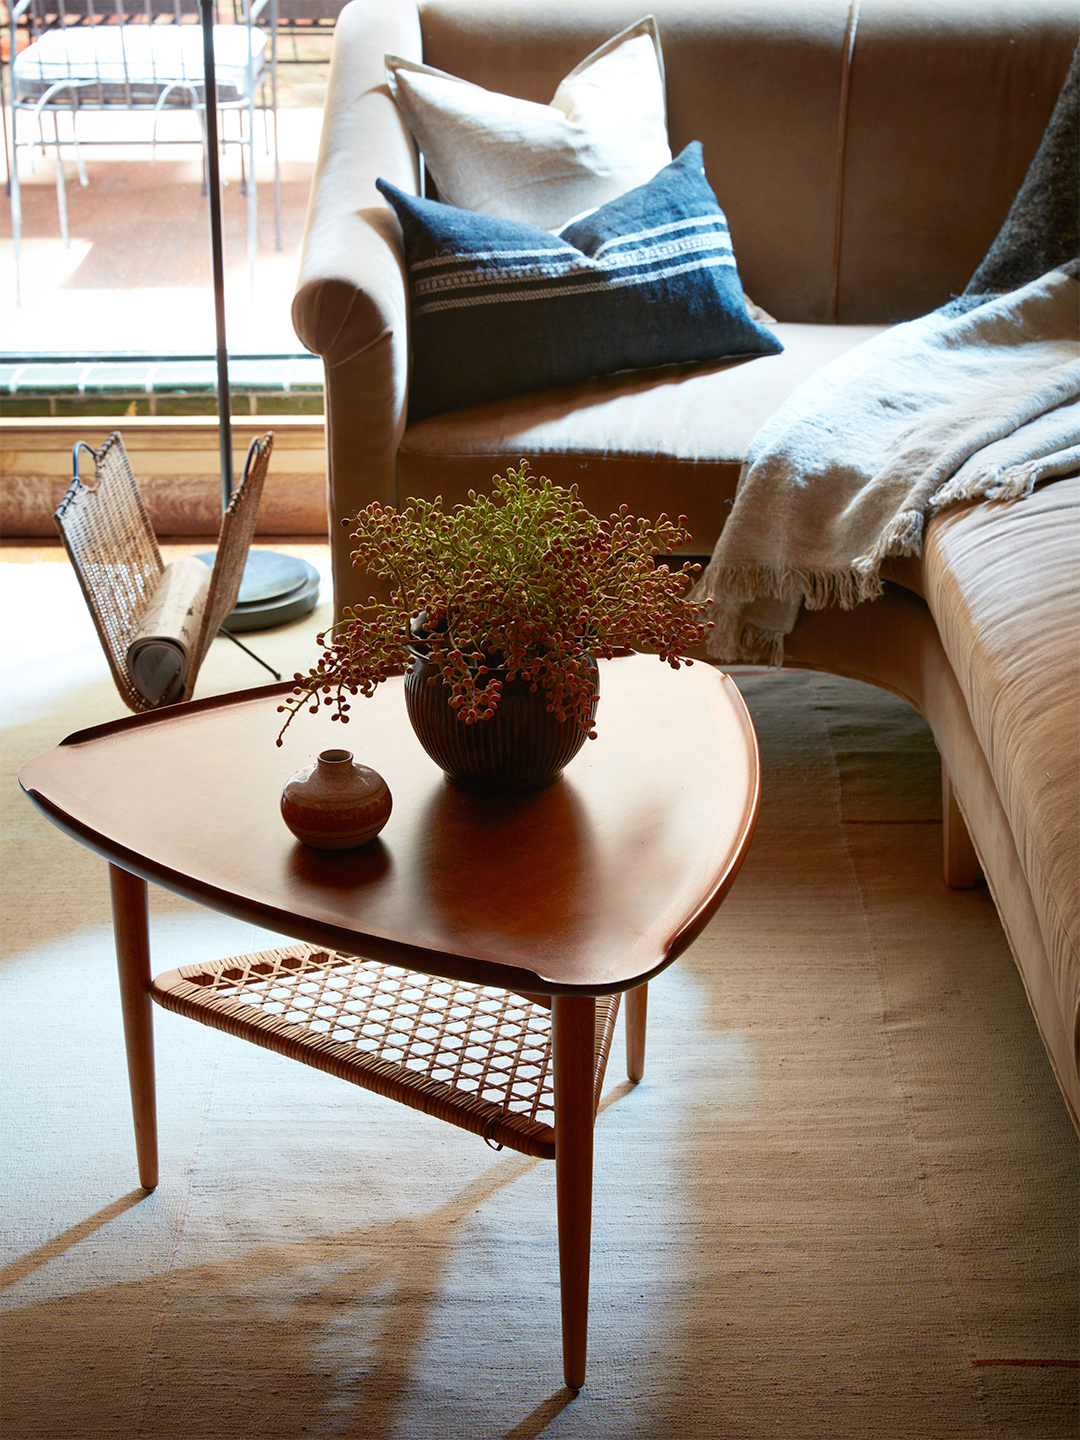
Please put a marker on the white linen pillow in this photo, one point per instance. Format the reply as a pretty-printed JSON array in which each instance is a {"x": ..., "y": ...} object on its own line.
[{"x": 604, "y": 133}]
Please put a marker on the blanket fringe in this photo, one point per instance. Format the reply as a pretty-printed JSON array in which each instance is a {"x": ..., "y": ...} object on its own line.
[
  {"x": 1008, "y": 483},
  {"x": 735, "y": 641},
  {"x": 761, "y": 647},
  {"x": 903, "y": 535},
  {"x": 816, "y": 589}
]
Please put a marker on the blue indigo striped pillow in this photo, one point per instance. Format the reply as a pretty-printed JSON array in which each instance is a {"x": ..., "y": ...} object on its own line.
[{"x": 499, "y": 308}]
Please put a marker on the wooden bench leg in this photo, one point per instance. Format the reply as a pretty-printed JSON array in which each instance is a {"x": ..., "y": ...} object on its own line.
[
  {"x": 131, "y": 929},
  {"x": 962, "y": 868},
  {"x": 573, "y": 1030},
  {"x": 635, "y": 1008}
]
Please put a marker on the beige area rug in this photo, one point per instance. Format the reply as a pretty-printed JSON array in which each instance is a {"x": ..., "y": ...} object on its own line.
[{"x": 842, "y": 1203}]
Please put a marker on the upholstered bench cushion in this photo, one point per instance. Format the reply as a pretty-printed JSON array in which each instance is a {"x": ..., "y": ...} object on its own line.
[
  {"x": 1003, "y": 584},
  {"x": 156, "y": 61}
]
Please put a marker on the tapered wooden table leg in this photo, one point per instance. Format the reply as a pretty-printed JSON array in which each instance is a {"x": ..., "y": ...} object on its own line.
[
  {"x": 131, "y": 928},
  {"x": 573, "y": 1036},
  {"x": 635, "y": 1009}
]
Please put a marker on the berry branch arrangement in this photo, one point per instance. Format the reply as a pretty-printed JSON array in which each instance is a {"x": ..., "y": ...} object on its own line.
[{"x": 522, "y": 584}]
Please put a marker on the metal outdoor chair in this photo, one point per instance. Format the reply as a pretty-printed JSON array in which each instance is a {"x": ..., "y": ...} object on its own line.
[
  {"x": 112, "y": 547},
  {"x": 302, "y": 19},
  {"x": 78, "y": 57}
]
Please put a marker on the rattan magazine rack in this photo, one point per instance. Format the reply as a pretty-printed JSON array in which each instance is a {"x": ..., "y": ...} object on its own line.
[{"x": 115, "y": 555}]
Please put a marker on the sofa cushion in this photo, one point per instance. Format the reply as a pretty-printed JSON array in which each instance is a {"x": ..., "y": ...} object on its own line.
[
  {"x": 498, "y": 308},
  {"x": 669, "y": 439},
  {"x": 604, "y": 132},
  {"x": 1003, "y": 585}
]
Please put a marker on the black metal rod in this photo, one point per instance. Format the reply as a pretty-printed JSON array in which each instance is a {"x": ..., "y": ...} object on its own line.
[
  {"x": 206, "y": 15},
  {"x": 230, "y": 636}
]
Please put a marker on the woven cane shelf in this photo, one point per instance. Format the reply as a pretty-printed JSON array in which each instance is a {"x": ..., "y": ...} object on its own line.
[{"x": 472, "y": 1055}]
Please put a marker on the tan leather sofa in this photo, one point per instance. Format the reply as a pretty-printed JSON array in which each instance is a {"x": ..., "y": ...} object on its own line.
[{"x": 865, "y": 153}]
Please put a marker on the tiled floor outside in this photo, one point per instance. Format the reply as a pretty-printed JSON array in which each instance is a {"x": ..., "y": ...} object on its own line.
[{"x": 137, "y": 273}]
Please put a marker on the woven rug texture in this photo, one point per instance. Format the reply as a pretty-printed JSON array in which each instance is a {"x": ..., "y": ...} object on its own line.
[{"x": 842, "y": 1202}]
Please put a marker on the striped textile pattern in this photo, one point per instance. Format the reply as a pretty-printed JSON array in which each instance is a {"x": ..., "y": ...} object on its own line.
[
  {"x": 499, "y": 308},
  {"x": 476, "y": 277}
]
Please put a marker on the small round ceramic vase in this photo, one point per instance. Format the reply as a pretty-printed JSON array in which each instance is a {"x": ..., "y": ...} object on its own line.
[{"x": 336, "y": 804}]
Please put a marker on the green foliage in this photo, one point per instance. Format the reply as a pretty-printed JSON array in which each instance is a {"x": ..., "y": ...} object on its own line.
[{"x": 524, "y": 583}]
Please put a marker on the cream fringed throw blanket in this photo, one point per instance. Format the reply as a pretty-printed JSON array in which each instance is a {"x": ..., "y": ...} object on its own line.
[{"x": 945, "y": 408}]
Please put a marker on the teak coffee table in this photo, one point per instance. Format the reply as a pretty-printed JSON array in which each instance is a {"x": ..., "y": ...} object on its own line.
[{"x": 469, "y": 961}]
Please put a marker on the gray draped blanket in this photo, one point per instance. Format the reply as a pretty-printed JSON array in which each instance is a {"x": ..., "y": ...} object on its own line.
[
  {"x": 977, "y": 400},
  {"x": 942, "y": 409}
]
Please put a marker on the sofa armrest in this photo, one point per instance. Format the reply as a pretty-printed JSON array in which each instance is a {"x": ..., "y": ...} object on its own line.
[{"x": 351, "y": 304}]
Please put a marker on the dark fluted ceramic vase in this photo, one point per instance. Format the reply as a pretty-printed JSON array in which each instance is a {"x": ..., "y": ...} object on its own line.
[{"x": 520, "y": 748}]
